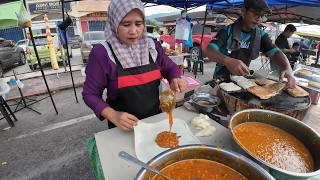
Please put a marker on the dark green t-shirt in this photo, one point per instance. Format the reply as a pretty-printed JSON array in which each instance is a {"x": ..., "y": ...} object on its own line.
[{"x": 223, "y": 39}]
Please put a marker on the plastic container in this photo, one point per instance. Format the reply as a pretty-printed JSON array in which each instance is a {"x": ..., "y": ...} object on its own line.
[{"x": 314, "y": 96}]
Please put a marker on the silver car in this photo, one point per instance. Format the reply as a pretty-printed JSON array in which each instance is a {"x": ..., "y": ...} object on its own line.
[
  {"x": 23, "y": 44},
  {"x": 90, "y": 39},
  {"x": 10, "y": 54}
]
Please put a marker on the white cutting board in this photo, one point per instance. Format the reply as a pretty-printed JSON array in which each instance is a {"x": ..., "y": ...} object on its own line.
[{"x": 146, "y": 133}]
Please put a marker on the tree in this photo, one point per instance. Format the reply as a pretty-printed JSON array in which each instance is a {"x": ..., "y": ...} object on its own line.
[{"x": 155, "y": 24}]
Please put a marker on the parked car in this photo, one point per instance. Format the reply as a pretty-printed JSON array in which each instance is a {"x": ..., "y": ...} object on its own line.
[
  {"x": 90, "y": 39},
  {"x": 75, "y": 41},
  {"x": 10, "y": 54},
  {"x": 209, "y": 32},
  {"x": 23, "y": 44},
  {"x": 43, "y": 51}
]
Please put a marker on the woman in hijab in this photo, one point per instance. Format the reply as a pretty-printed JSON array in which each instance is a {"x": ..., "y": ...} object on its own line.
[{"x": 129, "y": 65}]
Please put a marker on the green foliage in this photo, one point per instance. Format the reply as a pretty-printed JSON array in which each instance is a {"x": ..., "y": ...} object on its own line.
[{"x": 155, "y": 24}]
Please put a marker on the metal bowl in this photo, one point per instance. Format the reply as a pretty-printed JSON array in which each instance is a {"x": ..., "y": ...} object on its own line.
[
  {"x": 205, "y": 101},
  {"x": 309, "y": 137},
  {"x": 234, "y": 160}
]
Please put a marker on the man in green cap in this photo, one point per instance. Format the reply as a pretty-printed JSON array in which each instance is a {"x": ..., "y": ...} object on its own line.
[{"x": 236, "y": 45}]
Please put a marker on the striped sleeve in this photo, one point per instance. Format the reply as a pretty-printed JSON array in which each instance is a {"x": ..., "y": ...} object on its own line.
[{"x": 220, "y": 40}]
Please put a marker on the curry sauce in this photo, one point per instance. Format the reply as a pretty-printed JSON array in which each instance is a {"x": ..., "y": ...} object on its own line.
[
  {"x": 202, "y": 169},
  {"x": 274, "y": 146},
  {"x": 167, "y": 139},
  {"x": 167, "y": 104}
]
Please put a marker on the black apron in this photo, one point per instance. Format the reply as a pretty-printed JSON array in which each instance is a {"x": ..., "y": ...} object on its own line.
[
  {"x": 138, "y": 90},
  {"x": 243, "y": 54}
]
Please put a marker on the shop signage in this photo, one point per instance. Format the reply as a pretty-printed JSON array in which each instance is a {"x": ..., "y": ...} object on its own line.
[
  {"x": 47, "y": 6},
  {"x": 97, "y": 14}
]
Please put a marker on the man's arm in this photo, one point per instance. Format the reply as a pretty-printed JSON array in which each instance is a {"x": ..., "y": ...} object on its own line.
[
  {"x": 279, "y": 58},
  {"x": 286, "y": 71},
  {"x": 288, "y": 50},
  {"x": 235, "y": 66}
]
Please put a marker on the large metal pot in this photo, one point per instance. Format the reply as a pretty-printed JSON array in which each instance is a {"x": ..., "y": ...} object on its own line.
[
  {"x": 234, "y": 160},
  {"x": 309, "y": 137}
]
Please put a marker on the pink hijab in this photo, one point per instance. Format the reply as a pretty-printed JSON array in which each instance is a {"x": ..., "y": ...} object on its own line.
[{"x": 128, "y": 56}]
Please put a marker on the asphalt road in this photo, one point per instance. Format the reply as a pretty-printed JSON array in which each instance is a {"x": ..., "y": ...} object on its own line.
[{"x": 49, "y": 146}]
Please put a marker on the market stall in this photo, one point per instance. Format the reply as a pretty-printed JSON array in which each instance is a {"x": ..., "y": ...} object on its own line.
[
  {"x": 108, "y": 164},
  {"x": 189, "y": 127}
]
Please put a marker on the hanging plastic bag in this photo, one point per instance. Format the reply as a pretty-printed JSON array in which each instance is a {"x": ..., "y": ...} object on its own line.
[
  {"x": 23, "y": 17},
  {"x": 182, "y": 29}
]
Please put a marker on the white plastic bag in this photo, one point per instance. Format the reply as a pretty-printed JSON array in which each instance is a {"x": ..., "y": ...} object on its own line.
[
  {"x": 23, "y": 16},
  {"x": 182, "y": 29}
]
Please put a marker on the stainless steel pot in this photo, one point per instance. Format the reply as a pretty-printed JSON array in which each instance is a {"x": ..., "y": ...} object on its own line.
[
  {"x": 309, "y": 137},
  {"x": 234, "y": 160}
]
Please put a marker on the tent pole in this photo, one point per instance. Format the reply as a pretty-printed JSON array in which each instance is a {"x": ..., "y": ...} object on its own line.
[
  {"x": 204, "y": 24},
  {"x": 39, "y": 63},
  {"x": 65, "y": 33}
]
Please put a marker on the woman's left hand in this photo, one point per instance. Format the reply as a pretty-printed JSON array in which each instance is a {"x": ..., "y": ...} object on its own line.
[{"x": 178, "y": 85}]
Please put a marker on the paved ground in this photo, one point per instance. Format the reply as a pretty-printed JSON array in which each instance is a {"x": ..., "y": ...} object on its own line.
[{"x": 51, "y": 146}]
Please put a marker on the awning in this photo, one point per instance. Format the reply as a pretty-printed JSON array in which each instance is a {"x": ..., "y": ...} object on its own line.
[
  {"x": 8, "y": 17},
  {"x": 282, "y": 11},
  {"x": 181, "y": 3},
  {"x": 309, "y": 35}
]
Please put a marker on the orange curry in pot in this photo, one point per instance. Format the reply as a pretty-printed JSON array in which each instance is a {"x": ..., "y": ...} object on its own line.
[
  {"x": 275, "y": 146},
  {"x": 199, "y": 169}
]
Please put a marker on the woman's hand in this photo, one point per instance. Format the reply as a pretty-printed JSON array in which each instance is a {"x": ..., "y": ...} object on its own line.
[
  {"x": 123, "y": 120},
  {"x": 178, "y": 85}
]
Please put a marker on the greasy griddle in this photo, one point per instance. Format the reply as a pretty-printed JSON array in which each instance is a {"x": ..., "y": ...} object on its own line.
[{"x": 282, "y": 101}]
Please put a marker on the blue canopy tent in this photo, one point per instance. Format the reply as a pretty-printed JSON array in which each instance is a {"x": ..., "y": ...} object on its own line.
[
  {"x": 283, "y": 11},
  {"x": 185, "y": 4}
]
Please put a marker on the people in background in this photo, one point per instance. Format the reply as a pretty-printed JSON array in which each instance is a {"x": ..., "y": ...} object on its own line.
[
  {"x": 302, "y": 45},
  {"x": 237, "y": 44},
  {"x": 294, "y": 56},
  {"x": 282, "y": 39},
  {"x": 129, "y": 65}
]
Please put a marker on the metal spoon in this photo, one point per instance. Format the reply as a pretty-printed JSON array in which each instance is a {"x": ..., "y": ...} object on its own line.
[{"x": 128, "y": 157}]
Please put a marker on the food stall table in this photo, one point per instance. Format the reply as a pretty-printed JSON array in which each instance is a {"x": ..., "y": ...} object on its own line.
[
  {"x": 178, "y": 59},
  {"x": 110, "y": 142},
  {"x": 304, "y": 81},
  {"x": 4, "y": 107}
]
